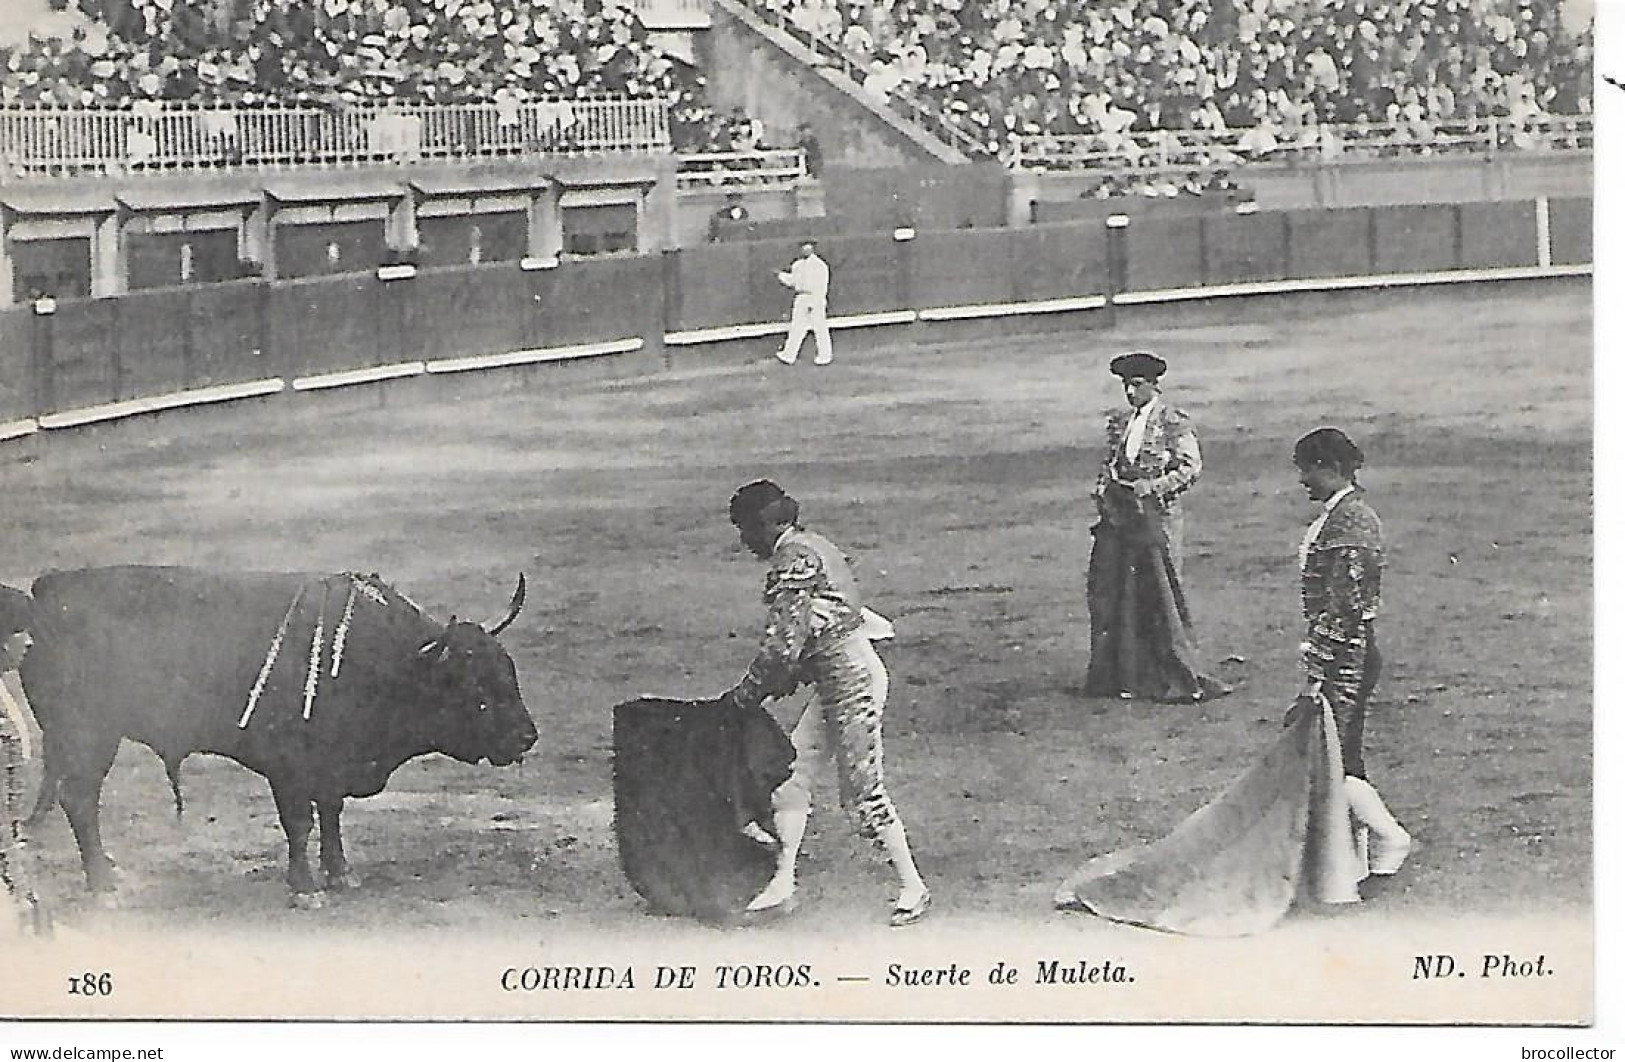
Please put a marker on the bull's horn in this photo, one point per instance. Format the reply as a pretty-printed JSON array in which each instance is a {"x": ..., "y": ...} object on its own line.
[{"x": 514, "y": 606}]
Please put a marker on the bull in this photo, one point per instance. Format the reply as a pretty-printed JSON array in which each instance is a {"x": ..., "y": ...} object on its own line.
[{"x": 322, "y": 684}]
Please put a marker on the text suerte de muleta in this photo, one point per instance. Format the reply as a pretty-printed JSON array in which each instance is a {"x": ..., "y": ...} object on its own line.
[{"x": 729, "y": 977}]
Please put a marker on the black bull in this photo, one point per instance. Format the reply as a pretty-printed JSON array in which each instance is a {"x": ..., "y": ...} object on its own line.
[{"x": 322, "y": 684}]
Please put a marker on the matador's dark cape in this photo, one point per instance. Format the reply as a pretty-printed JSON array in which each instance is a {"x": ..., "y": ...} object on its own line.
[{"x": 689, "y": 777}]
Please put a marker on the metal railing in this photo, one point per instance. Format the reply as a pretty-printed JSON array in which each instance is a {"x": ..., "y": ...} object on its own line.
[
  {"x": 37, "y": 140},
  {"x": 765, "y": 168},
  {"x": 658, "y": 13},
  {"x": 935, "y": 120},
  {"x": 1186, "y": 149}
]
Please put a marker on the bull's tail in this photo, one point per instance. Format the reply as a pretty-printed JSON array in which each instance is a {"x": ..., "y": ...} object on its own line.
[
  {"x": 172, "y": 770},
  {"x": 47, "y": 796}
]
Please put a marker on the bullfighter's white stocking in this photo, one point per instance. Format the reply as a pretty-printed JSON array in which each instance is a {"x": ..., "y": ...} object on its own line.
[
  {"x": 1390, "y": 844},
  {"x": 911, "y": 887},
  {"x": 790, "y": 823}
]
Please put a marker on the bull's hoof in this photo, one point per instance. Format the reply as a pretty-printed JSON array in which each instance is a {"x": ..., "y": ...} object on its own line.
[
  {"x": 342, "y": 882},
  {"x": 307, "y": 901},
  {"x": 106, "y": 899}
]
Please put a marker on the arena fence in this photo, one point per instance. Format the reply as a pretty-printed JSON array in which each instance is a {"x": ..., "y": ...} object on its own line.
[
  {"x": 742, "y": 170},
  {"x": 82, "y": 361},
  {"x": 1184, "y": 150},
  {"x": 161, "y": 137},
  {"x": 669, "y": 14}
]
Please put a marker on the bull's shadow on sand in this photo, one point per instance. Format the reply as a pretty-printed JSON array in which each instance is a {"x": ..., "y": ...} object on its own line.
[{"x": 446, "y": 844}]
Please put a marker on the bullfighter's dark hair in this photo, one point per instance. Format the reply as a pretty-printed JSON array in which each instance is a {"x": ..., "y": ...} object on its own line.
[
  {"x": 16, "y": 611},
  {"x": 763, "y": 498},
  {"x": 1329, "y": 448}
]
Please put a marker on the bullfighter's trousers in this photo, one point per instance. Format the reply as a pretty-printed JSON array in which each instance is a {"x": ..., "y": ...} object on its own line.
[
  {"x": 1349, "y": 688},
  {"x": 843, "y": 720},
  {"x": 807, "y": 315}
]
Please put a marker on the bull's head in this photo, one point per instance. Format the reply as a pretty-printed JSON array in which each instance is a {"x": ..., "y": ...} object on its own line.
[{"x": 472, "y": 680}]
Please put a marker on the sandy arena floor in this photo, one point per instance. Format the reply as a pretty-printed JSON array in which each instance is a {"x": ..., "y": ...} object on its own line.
[{"x": 957, "y": 475}]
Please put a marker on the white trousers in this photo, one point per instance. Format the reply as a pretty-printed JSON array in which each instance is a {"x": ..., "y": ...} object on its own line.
[
  {"x": 807, "y": 314},
  {"x": 843, "y": 722}
]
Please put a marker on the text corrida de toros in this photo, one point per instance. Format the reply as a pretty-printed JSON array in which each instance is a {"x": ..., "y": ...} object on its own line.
[{"x": 594, "y": 978}]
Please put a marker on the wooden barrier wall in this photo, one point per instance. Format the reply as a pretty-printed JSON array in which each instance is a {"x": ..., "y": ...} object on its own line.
[
  {"x": 17, "y": 400},
  {"x": 1058, "y": 261},
  {"x": 1570, "y": 230},
  {"x": 163, "y": 341},
  {"x": 866, "y": 200},
  {"x": 1330, "y": 243}
]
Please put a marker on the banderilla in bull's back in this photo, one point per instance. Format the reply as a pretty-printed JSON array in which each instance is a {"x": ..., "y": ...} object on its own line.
[{"x": 184, "y": 660}]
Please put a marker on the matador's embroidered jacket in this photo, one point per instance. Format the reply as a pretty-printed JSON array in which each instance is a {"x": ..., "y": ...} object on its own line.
[
  {"x": 812, "y": 605},
  {"x": 1342, "y": 592},
  {"x": 1170, "y": 457}
]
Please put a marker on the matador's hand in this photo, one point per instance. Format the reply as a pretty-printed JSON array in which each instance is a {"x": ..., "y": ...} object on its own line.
[
  {"x": 745, "y": 695},
  {"x": 1304, "y": 705}
]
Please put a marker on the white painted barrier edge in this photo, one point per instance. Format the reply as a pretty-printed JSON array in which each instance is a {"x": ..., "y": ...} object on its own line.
[
  {"x": 201, "y": 396},
  {"x": 1380, "y": 280},
  {"x": 869, "y": 320},
  {"x": 350, "y": 377},
  {"x": 724, "y": 333},
  {"x": 17, "y": 429},
  {"x": 778, "y": 328},
  {"x": 1012, "y": 309},
  {"x": 532, "y": 357}
]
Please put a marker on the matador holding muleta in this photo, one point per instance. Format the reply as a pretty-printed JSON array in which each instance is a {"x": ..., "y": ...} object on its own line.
[
  {"x": 728, "y": 763},
  {"x": 713, "y": 797}
]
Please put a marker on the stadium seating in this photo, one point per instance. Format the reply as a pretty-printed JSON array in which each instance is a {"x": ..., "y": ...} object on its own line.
[
  {"x": 1278, "y": 68},
  {"x": 333, "y": 52},
  {"x": 1283, "y": 70}
]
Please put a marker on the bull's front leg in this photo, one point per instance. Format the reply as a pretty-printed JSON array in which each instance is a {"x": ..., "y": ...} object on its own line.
[
  {"x": 81, "y": 795},
  {"x": 294, "y": 809},
  {"x": 335, "y": 869}
]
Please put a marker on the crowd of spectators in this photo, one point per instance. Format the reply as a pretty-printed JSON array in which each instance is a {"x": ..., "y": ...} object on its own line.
[
  {"x": 1281, "y": 72},
  {"x": 1279, "y": 68},
  {"x": 1209, "y": 184},
  {"x": 337, "y": 52},
  {"x": 713, "y": 131}
]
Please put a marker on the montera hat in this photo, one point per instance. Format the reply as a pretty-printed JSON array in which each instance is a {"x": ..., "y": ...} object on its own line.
[
  {"x": 1141, "y": 363},
  {"x": 1328, "y": 448},
  {"x": 754, "y": 497}
]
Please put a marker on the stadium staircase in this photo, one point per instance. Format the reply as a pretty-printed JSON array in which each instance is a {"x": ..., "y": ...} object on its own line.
[{"x": 761, "y": 61}]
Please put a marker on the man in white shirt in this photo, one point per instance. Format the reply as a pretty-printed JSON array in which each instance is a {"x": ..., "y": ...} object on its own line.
[{"x": 809, "y": 279}]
